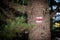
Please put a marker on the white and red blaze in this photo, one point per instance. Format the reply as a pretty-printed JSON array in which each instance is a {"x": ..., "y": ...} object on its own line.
[{"x": 39, "y": 19}]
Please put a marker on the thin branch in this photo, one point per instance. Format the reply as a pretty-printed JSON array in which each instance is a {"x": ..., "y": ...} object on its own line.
[{"x": 53, "y": 13}]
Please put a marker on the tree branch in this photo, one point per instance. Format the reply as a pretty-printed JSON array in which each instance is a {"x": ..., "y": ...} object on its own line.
[{"x": 54, "y": 12}]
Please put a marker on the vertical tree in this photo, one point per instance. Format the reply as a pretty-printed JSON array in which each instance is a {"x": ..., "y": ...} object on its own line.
[{"x": 41, "y": 30}]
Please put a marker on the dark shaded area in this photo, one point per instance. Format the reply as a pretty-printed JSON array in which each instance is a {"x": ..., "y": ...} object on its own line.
[
  {"x": 54, "y": 33},
  {"x": 5, "y": 8},
  {"x": 23, "y": 36}
]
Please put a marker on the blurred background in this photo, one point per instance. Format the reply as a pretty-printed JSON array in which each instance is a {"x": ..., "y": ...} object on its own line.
[{"x": 14, "y": 24}]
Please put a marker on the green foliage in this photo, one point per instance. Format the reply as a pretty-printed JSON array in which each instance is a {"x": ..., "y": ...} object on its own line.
[
  {"x": 16, "y": 25},
  {"x": 26, "y": 2},
  {"x": 22, "y": 2},
  {"x": 21, "y": 8},
  {"x": 1, "y": 16},
  {"x": 56, "y": 26}
]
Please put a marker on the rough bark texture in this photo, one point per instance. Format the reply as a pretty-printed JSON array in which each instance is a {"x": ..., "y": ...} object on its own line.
[{"x": 41, "y": 31}]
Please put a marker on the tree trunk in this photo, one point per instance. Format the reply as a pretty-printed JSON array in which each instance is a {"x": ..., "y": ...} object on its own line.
[{"x": 41, "y": 30}]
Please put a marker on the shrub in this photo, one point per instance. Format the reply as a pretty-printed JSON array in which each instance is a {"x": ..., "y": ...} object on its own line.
[{"x": 17, "y": 25}]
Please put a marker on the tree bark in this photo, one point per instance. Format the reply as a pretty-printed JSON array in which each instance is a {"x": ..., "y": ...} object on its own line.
[{"x": 40, "y": 31}]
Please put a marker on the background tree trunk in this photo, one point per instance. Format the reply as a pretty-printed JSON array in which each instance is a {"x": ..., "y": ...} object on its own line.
[{"x": 41, "y": 31}]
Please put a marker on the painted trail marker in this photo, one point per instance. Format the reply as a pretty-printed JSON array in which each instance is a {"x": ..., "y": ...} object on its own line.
[{"x": 39, "y": 19}]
